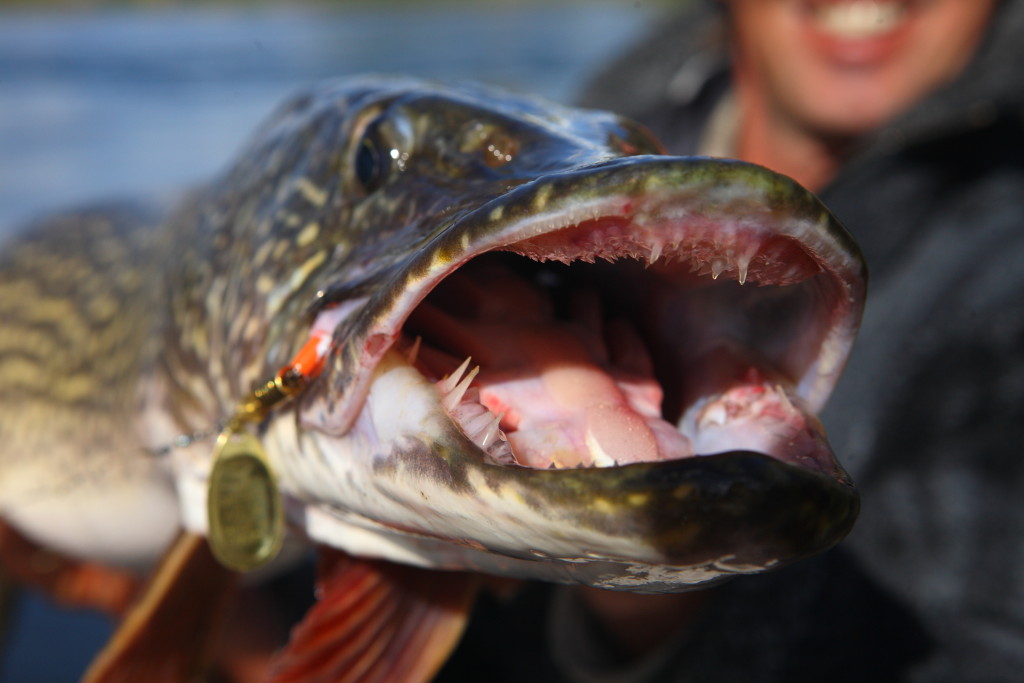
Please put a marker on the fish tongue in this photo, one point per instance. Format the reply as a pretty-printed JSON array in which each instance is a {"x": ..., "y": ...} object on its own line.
[
  {"x": 376, "y": 621},
  {"x": 565, "y": 410},
  {"x": 578, "y": 415}
]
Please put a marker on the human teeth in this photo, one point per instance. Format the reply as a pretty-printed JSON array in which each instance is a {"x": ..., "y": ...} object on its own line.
[{"x": 860, "y": 18}]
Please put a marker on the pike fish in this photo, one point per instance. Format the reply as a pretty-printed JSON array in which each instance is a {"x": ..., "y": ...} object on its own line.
[{"x": 536, "y": 347}]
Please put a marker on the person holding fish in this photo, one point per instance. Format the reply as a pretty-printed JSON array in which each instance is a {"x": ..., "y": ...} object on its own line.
[{"x": 907, "y": 118}]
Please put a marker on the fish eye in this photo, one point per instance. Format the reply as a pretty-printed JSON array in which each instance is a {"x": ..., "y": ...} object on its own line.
[{"x": 371, "y": 165}]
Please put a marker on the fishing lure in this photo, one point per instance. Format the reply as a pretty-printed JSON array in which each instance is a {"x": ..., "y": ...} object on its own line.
[{"x": 244, "y": 505}]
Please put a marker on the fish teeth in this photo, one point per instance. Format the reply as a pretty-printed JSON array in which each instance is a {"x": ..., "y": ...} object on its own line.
[
  {"x": 453, "y": 398},
  {"x": 743, "y": 263},
  {"x": 449, "y": 383},
  {"x": 475, "y": 427},
  {"x": 414, "y": 350},
  {"x": 478, "y": 423},
  {"x": 492, "y": 432},
  {"x": 501, "y": 453},
  {"x": 599, "y": 457},
  {"x": 655, "y": 253},
  {"x": 784, "y": 398},
  {"x": 713, "y": 415}
]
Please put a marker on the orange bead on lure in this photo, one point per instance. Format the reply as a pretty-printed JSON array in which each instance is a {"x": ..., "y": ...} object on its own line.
[{"x": 309, "y": 361}]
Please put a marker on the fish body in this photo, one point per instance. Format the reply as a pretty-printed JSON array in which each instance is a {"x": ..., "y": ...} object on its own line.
[
  {"x": 81, "y": 302},
  {"x": 649, "y": 339}
]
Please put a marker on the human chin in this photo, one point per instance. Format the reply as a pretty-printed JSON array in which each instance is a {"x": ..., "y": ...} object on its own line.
[{"x": 845, "y": 105}]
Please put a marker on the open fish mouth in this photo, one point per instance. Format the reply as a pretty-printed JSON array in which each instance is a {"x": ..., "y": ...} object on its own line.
[
  {"x": 634, "y": 349},
  {"x": 670, "y": 309}
]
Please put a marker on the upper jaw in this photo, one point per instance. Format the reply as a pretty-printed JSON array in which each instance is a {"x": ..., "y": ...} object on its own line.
[{"x": 695, "y": 220}]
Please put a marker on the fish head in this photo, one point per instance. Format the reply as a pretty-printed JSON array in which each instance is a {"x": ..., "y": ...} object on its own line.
[{"x": 556, "y": 352}]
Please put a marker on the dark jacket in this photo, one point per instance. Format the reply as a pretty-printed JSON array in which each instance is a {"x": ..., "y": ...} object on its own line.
[{"x": 929, "y": 418}]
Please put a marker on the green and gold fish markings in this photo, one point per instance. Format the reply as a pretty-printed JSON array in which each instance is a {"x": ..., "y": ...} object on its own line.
[{"x": 517, "y": 340}]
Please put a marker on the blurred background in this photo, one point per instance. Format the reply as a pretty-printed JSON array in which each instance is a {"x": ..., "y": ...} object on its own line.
[{"x": 129, "y": 99}]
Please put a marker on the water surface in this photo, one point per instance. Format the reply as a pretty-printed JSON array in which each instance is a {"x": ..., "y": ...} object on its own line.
[{"x": 120, "y": 103}]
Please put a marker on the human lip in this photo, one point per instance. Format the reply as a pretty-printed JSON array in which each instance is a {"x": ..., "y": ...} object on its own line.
[{"x": 858, "y": 33}]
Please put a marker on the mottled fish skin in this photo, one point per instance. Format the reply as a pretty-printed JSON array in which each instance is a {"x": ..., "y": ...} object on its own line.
[
  {"x": 80, "y": 332},
  {"x": 254, "y": 252},
  {"x": 118, "y": 338}
]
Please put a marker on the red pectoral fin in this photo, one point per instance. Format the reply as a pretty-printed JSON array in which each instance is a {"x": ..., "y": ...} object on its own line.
[
  {"x": 168, "y": 635},
  {"x": 376, "y": 621}
]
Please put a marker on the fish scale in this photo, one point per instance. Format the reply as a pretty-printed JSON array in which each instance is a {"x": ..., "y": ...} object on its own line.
[{"x": 61, "y": 340}]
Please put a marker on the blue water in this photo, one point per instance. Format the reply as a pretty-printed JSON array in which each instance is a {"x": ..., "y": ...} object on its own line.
[
  {"x": 118, "y": 104},
  {"x": 126, "y": 102}
]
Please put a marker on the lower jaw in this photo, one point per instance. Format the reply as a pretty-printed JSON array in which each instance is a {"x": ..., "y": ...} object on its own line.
[{"x": 755, "y": 416}]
